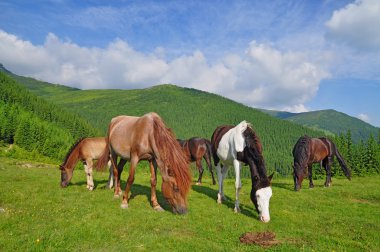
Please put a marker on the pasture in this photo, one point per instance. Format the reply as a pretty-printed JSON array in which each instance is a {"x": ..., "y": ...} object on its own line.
[{"x": 37, "y": 215}]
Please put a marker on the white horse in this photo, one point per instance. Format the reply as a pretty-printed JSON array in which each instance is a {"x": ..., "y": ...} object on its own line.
[{"x": 236, "y": 146}]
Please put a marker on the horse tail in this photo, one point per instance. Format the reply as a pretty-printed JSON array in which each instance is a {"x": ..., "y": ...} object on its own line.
[
  {"x": 168, "y": 150},
  {"x": 72, "y": 156},
  {"x": 209, "y": 153},
  {"x": 341, "y": 161},
  {"x": 104, "y": 158}
]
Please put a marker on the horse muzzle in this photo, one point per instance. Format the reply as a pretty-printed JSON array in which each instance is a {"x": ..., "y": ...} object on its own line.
[
  {"x": 180, "y": 210},
  {"x": 64, "y": 184},
  {"x": 264, "y": 219}
]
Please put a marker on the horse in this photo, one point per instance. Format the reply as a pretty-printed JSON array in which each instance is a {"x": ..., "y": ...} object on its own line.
[
  {"x": 147, "y": 138},
  {"x": 309, "y": 150},
  {"x": 195, "y": 149},
  {"x": 86, "y": 150},
  {"x": 237, "y": 145}
]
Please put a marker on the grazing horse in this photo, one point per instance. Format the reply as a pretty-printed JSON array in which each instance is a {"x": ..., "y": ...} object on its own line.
[
  {"x": 309, "y": 150},
  {"x": 86, "y": 150},
  {"x": 147, "y": 138},
  {"x": 237, "y": 145},
  {"x": 195, "y": 149}
]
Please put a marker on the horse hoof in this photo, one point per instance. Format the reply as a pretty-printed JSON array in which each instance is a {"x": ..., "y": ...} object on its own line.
[
  {"x": 124, "y": 206},
  {"x": 219, "y": 201},
  {"x": 158, "y": 208},
  {"x": 116, "y": 196},
  {"x": 198, "y": 183},
  {"x": 91, "y": 188},
  {"x": 237, "y": 210}
]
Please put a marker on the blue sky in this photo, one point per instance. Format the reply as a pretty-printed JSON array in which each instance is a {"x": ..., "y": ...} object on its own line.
[{"x": 284, "y": 55}]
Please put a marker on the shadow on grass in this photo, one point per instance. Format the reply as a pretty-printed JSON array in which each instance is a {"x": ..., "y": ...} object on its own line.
[
  {"x": 230, "y": 203},
  {"x": 137, "y": 189}
]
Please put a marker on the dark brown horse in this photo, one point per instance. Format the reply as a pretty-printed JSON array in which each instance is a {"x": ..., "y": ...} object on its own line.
[
  {"x": 147, "y": 138},
  {"x": 195, "y": 149},
  {"x": 238, "y": 145},
  {"x": 308, "y": 151}
]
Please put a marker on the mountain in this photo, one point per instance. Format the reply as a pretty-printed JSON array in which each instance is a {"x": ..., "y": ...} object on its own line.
[
  {"x": 330, "y": 121},
  {"x": 189, "y": 112},
  {"x": 36, "y": 124}
]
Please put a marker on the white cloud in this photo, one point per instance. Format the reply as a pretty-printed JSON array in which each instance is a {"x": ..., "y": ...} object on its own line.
[
  {"x": 364, "y": 117},
  {"x": 357, "y": 24},
  {"x": 263, "y": 76}
]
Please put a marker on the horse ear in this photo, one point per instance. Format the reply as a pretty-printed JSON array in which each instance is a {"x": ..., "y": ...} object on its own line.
[{"x": 270, "y": 177}]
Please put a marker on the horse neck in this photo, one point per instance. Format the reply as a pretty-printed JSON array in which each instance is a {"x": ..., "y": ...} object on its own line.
[{"x": 72, "y": 158}]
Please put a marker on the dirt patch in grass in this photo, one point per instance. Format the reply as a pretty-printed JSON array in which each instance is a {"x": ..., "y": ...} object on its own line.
[{"x": 264, "y": 239}]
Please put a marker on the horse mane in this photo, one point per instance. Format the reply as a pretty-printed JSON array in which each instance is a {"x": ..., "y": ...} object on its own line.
[
  {"x": 301, "y": 150},
  {"x": 68, "y": 155},
  {"x": 255, "y": 149},
  {"x": 171, "y": 154}
]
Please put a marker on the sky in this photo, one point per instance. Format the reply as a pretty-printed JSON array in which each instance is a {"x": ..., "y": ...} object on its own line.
[{"x": 289, "y": 55}]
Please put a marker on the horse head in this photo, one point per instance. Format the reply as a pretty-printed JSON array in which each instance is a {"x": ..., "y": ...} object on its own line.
[
  {"x": 298, "y": 175},
  {"x": 66, "y": 175},
  {"x": 173, "y": 193},
  {"x": 261, "y": 194}
]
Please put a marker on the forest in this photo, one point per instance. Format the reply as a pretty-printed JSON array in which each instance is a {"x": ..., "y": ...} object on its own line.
[{"x": 50, "y": 123}]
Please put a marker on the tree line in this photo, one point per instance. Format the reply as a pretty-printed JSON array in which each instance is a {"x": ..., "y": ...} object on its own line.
[
  {"x": 35, "y": 124},
  {"x": 50, "y": 129}
]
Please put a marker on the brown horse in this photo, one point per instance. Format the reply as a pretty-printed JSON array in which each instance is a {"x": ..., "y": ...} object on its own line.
[
  {"x": 195, "y": 149},
  {"x": 309, "y": 150},
  {"x": 147, "y": 138},
  {"x": 85, "y": 150}
]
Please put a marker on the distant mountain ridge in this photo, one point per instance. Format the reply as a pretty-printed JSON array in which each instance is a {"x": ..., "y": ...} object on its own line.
[{"x": 329, "y": 120}]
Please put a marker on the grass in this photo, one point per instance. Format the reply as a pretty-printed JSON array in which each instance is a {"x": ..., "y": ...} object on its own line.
[{"x": 37, "y": 215}]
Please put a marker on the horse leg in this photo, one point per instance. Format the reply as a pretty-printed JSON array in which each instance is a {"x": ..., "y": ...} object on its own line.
[
  {"x": 237, "y": 167},
  {"x": 327, "y": 166},
  {"x": 120, "y": 167},
  {"x": 116, "y": 176},
  {"x": 88, "y": 169},
  {"x": 131, "y": 178},
  {"x": 110, "y": 177},
  {"x": 153, "y": 182},
  {"x": 220, "y": 182},
  {"x": 208, "y": 161},
  {"x": 200, "y": 169},
  {"x": 310, "y": 167}
]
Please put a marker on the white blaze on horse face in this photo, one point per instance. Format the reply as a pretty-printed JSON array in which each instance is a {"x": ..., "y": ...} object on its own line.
[{"x": 263, "y": 196}]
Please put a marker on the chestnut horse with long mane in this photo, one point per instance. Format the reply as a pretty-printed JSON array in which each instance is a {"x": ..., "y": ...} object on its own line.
[
  {"x": 309, "y": 150},
  {"x": 147, "y": 138},
  {"x": 195, "y": 149},
  {"x": 85, "y": 150}
]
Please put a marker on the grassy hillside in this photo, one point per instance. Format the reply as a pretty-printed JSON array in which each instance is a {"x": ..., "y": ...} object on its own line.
[
  {"x": 36, "y": 124},
  {"x": 330, "y": 121},
  {"x": 188, "y": 112},
  {"x": 37, "y": 215}
]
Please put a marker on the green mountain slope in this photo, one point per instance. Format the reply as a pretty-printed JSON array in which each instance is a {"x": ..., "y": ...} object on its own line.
[
  {"x": 330, "y": 121},
  {"x": 35, "y": 124},
  {"x": 188, "y": 112}
]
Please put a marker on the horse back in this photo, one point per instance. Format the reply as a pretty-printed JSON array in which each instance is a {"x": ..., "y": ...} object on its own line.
[
  {"x": 215, "y": 140},
  {"x": 92, "y": 147},
  {"x": 130, "y": 133},
  {"x": 319, "y": 149}
]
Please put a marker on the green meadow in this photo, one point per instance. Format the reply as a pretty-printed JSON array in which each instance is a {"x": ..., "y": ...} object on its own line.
[{"x": 37, "y": 215}]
